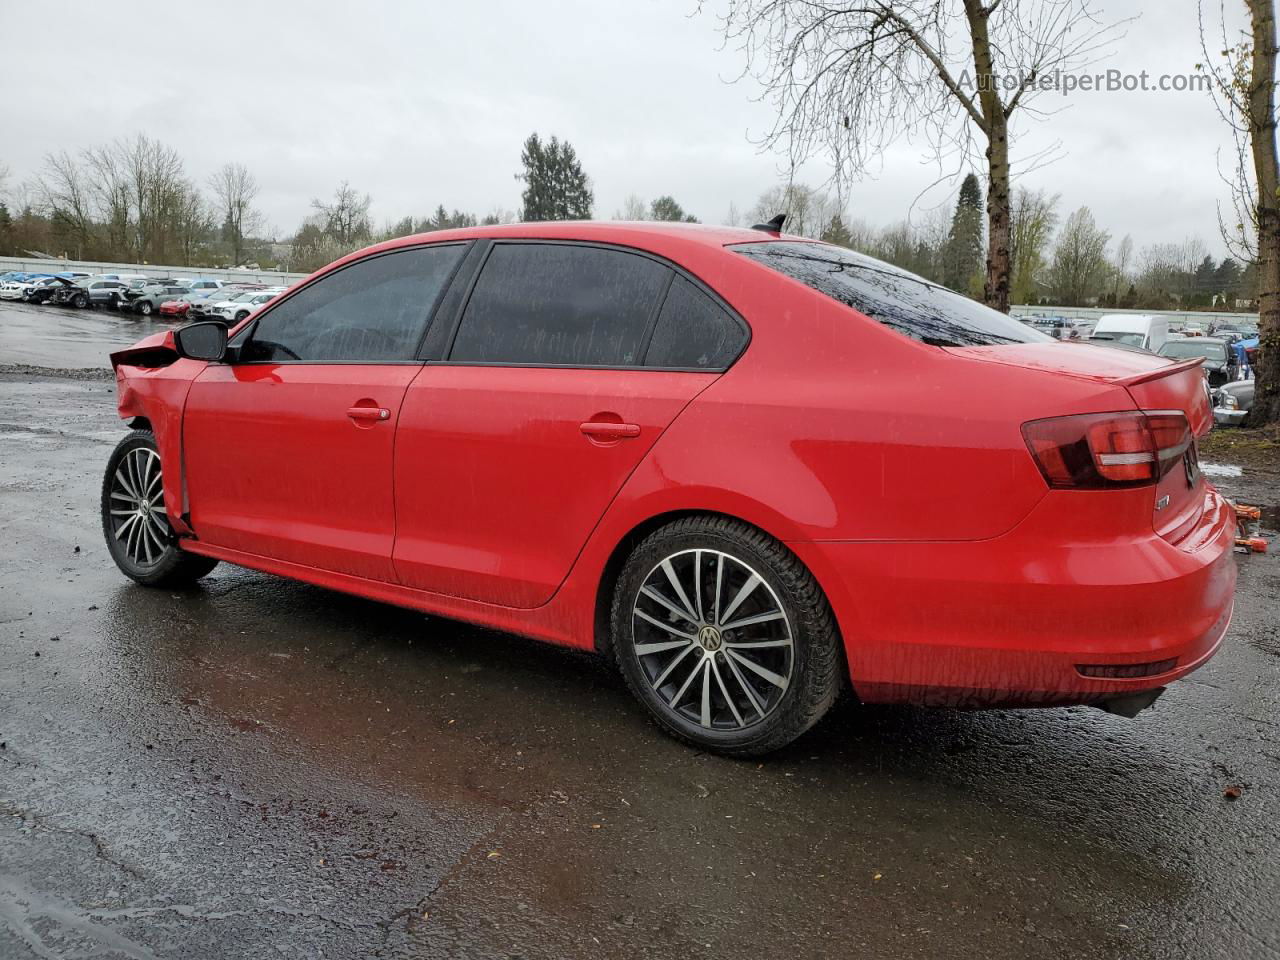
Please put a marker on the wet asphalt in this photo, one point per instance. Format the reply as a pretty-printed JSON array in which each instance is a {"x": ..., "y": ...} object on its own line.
[{"x": 259, "y": 768}]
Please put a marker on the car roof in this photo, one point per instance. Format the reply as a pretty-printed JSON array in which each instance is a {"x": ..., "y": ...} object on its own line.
[{"x": 644, "y": 234}]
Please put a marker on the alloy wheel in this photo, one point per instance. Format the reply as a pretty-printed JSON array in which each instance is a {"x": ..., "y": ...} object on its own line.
[
  {"x": 138, "y": 520},
  {"x": 712, "y": 639}
]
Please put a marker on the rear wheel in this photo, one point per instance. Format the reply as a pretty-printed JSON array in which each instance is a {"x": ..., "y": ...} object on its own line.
[
  {"x": 724, "y": 635},
  {"x": 134, "y": 522}
]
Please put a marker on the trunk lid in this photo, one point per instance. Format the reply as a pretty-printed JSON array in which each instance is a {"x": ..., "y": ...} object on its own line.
[{"x": 1155, "y": 384}]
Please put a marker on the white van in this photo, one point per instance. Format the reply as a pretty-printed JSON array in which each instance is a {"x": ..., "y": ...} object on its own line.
[{"x": 1131, "y": 330}]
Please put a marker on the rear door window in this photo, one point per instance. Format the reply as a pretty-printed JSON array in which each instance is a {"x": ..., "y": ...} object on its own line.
[
  {"x": 548, "y": 304},
  {"x": 372, "y": 311},
  {"x": 900, "y": 300},
  {"x": 694, "y": 331}
]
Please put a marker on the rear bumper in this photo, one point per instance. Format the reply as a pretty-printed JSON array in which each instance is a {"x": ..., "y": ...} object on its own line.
[
  {"x": 1229, "y": 416},
  {"x": 1010, "y": 621}
]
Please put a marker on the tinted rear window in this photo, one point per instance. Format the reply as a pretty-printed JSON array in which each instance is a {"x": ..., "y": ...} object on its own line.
[
  {"x": 694, "y": 331},
  {"x": 553, "y": 304},
  {"x": 901, "y": 301}
]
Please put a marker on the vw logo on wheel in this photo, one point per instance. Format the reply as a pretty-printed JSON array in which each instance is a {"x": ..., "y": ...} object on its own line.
[{"x": 709, "y": 637}]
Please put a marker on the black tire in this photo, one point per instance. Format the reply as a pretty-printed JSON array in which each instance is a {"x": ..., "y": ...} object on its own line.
[
  {"x": 811, "y": 651},
  {"x": 143, "y": 546},
  {"x": 240, "y": 316},
  {"x": 81, "y": 301},
  {"x": 143, "y": 307}
]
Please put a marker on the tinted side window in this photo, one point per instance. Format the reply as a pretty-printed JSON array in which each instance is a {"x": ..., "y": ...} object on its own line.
[
  {"x": 372, "y": 311},
  {"x": 693, "y": 331},
  {"x": 543, "y": 303}
]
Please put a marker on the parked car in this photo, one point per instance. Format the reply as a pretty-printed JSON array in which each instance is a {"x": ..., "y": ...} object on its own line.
[
  {"x": 37, "y": 291},
  {"x": 1131, "y": 329},
  {"x": 177, "y": 308},
  {"x": 1220, "y": 364},
  {"x": 202, "y": 306},
  {"x": 92, "y": 291},
  {"x": 18, "y": 289},
  {"x": 703, "y": 452},
  {"x": 47, "y": 290},
  {"x": 147, "y": 299},
  {"x": 105, "y": 291},
  {"x": 241, "y": 306},
  {"x": 1232, "y": 403}
]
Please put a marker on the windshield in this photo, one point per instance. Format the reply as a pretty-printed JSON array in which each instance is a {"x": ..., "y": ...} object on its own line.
[
  {"x": 1185, "y": 349},
  {"x": 908, "y": 304}
]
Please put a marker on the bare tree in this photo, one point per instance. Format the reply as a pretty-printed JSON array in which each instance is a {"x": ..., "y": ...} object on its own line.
[
  {"x": 112, "y": 196},
  {"x": 849, "y": 78},
  {"x": 65, "y": 191},
  {"x": 192, "y": 219},
  {"x": 633, "y": 209},
  {"x": 235, "y": 190},
  {"x": 808, "y": 210},
  {"x": 346, "y": 219},
  {"x": 1031, "y": 224},
  {"x": 1079, "y": 263},
  {"x": 1122, "y": 263},
  {"x": 1244, "y": 83}
]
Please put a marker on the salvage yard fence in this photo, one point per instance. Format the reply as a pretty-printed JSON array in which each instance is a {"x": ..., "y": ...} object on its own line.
[
  {"x": 32, "y": 265},
  {"x": 1093, "y": 313}
]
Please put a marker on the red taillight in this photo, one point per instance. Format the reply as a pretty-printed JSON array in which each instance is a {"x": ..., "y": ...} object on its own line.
[{"x": 1100, "y": 450}]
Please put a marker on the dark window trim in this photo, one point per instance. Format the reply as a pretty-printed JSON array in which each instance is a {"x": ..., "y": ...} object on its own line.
[
  {"x": 652, "y": 325},
  {"x": 624, "y": 368},
  {"x": 675, "y": 268},
  {"x": 453, "y": 297},
  {"x": 288, "y": 295}
]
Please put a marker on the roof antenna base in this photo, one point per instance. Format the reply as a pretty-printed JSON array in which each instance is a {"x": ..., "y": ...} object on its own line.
[{"x": 773, "y": 226}]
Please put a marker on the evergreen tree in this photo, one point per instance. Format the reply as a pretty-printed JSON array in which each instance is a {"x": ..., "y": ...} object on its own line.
[
  {"x": 836, "y": 232},
  {"x": 6, "y": 230},
  {"x": 555, "y": 186},
  {"x": 962, "y": 257},
  {"x": 1226, "y": 279},
  {"x": 666, "y": 208}
]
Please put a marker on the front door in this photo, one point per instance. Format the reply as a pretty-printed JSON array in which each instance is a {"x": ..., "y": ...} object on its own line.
[{"x": 289, "y": 445}]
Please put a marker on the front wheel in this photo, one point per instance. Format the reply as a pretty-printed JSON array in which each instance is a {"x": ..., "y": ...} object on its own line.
[
  {"x": 81, "y": 301},
  {"x": 144, "y": 308},
  {"x": 134, "y": 522},
  {"x": 725, "y": 636},
  {"x": 241, "y": 315}
]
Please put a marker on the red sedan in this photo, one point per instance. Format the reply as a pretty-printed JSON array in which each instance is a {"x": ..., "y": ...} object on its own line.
[
  {"x": 751, "y": 468},
  {"x": 174, "y": 309}
]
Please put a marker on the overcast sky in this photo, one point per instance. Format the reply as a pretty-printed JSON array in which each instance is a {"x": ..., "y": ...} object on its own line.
[{"x": 426, "y": 103}]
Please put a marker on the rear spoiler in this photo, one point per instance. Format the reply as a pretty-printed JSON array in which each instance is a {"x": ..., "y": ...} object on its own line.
[{"x": 1159, "y": 373}]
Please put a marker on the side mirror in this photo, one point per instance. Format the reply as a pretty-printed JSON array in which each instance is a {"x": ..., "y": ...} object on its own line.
[{"x": 201, "y": 341}]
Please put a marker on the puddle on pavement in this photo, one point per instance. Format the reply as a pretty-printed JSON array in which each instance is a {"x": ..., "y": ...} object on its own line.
[{"x": 1220, "y": 470}]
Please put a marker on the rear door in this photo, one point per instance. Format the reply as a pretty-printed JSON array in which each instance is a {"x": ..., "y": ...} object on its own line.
[
  {"x": 289, "y": 446},
  {"x": 566, "y": 363}
]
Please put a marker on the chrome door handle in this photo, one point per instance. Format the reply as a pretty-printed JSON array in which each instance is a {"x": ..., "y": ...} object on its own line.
[{"x": 609, "y": 431}]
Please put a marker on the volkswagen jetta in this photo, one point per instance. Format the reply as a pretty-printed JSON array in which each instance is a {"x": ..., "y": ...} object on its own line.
[{"x": 753, "y": 469}]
